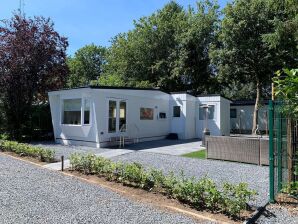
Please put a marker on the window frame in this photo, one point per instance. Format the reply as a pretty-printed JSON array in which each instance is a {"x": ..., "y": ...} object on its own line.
[
  {"x": 234, "y": 109},
  {"x": 117, "y": 132},
  {"x": 82, "y": 111},
  {"x": 175, "y": 106},
  {"x": 214, "y": 112}
]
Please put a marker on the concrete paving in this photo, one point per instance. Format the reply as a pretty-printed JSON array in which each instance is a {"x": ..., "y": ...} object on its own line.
[
  {"x": 180, "y": 148},
  {"x": 107, "y": 154},
  {"x": 164, "y": 146}
]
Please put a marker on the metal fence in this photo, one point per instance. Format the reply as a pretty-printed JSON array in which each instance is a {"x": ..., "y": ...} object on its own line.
[{"x": 283, "y": 143}]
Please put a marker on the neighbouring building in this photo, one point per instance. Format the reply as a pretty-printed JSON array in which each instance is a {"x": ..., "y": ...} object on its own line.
[
  {"x": 241, "y": 114},
  {"x": 99, "y": 116}
]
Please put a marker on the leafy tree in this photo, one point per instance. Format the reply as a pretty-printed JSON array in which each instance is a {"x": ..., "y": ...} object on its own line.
[
  {"x": 286, "y": 88},
  {"x": 32, "y": 62},
  {"x": 243, "y": 53},
  {"x": 86, "y": 65},
  {"x": 168, "y": 49}
]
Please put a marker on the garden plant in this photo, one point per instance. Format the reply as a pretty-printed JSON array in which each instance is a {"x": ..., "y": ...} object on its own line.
[
  {"x": 22, "y": 149},
  {"x": 201, "y": 194}
]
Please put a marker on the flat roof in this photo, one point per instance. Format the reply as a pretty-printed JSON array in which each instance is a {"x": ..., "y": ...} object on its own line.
[
  {"x": 111, "y": 87},
  {"x": 211, "y": 95},
  {"x": 247, "y": 102}
]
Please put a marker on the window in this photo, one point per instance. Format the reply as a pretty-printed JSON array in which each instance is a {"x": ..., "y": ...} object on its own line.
[
  {"x": 72, "y": 111},
  {"x": 162, "y": 115},
  {"x": 176, "y": 111},
  {"x": 86, "y": 111},
  {"x": 233, "y": 113},
  {"x": 122, "y": 120},
  {"x": 112, "y": 116},
  {"x": 146, "y": 113},
  {"x": 202, "y": 112}
]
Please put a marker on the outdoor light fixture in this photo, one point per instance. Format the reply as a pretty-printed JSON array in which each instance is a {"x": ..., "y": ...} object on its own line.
[{"x": 206, "y": 130}]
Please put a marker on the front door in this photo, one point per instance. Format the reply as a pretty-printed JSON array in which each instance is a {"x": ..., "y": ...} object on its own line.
[{"x": 117, "y": 113}]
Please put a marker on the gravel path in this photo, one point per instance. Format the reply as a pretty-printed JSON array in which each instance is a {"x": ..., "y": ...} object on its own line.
[
  {"x": 277, "y": 214},
  {"x": 257, "y": 177},
  {"x": 29, "y": 194},
  {"x": 68, "y": 150}
]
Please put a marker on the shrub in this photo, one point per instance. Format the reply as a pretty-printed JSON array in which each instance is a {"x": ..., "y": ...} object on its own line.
[
  {"x": 45, "y": 155},
  {"x": 154, "y": 179},
  {"x": 291, "y": 188},
  {"x": 203, "y": 193},
  {"x": 134, "y": 173},
  {"x": 4, "y": 136},
  {"x": 236, "y": 197}
]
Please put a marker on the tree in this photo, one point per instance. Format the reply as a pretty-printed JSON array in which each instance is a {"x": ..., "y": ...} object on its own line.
[
  {"x": 243, "y": 54},
  {"x": 86, "y": 65},
  {"x": 32, "y": 62},
  {"x": 286, "y": 88},
  {"x": 168, "y": 49}
]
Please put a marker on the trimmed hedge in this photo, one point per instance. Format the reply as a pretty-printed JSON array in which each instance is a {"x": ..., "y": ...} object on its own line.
[
  {"x": 231, "y": 199},
  {"x": 22, "y": 149}
]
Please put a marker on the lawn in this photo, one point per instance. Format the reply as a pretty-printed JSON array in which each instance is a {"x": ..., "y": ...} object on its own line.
[{"x": 201, "y": 154}]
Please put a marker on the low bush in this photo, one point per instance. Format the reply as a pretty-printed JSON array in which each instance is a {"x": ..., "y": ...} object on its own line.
[
  {"x": 44, "y": 155},
  {"x": 201, "y": 194}
]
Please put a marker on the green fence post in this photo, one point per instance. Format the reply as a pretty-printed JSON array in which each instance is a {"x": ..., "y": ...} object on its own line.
[
  {"x": 279, "y": 148},
  {"x": 271, "y": 152}
]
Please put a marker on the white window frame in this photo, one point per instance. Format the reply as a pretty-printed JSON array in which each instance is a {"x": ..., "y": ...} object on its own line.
[
  {"x": 118, "y": 100},
  {"x": 215, "y": 111},
  {"x": 82, "y": 111}
]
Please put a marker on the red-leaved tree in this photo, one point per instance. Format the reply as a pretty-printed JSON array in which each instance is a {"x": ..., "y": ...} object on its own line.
[{"x": 32, "y": 62}]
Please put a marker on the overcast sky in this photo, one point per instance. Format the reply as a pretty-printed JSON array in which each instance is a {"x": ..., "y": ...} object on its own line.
[{"x": 89, "y": 21}]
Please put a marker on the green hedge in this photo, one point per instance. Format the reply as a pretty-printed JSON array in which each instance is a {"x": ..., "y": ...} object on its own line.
[
  {"x": 22, "y": 149},
  {"x": 230, "y": 199}
]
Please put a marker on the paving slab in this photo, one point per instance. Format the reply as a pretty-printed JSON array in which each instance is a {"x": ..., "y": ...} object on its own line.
[
  {"x": 168, "y": 147},
  {"x": 107, "y": 154}
]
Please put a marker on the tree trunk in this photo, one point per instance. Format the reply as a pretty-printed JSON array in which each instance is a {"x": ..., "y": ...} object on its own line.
[{"x": 255, "y": 117}]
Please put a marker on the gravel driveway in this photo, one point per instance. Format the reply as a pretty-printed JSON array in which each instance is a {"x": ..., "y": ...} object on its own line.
[
  {"x": 29, "y": 194},
  {"x": 276, "y": 214},
  {"x": 257, "y": 177}
]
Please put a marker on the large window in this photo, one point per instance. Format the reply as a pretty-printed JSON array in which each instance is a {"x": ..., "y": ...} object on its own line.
[
  {"x": 122, "y": 120},
  {"x": 112, "y": 115},
  {"x": 202, "y": 112},
  {"x": 146, "y": 113},
  {"x": 86, "y": 111},
  {"x": 72, "y": 111},
  {"x": 176, "y": 111}
]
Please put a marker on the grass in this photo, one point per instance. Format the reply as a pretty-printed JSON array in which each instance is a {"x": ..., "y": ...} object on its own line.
[{"x": 201, "y": 154}]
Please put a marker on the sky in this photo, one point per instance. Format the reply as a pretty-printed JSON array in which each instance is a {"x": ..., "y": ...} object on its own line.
[{"x": 89, "y": 21}]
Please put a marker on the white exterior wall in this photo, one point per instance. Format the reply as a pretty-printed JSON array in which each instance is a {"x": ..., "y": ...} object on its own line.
[
  {"x": 185, "y": 125},
  {"x": 220, "y": 125},
  {"x": 96, "y": 134},
  {"x": 190, "y": 127},
  {"x": 178, "y": 124},
  {"x": 244, "y": 118},
  {"x": 135, "y": 99},
  {"x": 73, "y": 134},
  {"x": 225, "y": 116}
]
